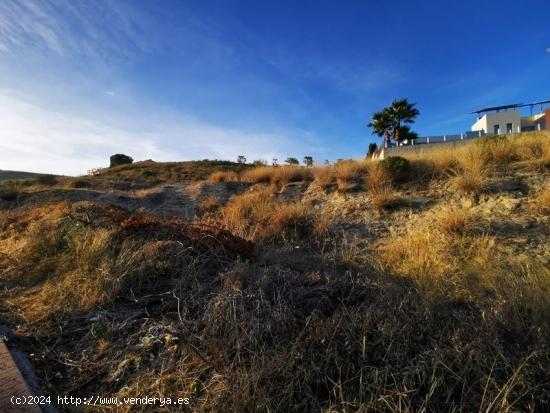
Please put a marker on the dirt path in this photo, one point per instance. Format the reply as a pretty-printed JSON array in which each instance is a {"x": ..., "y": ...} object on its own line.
[{"x": 12, "y": 384}]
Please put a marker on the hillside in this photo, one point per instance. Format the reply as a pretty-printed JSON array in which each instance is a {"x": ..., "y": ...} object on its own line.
[
  {"x": 419, "y": 284},
  {"x": 11, "y": 175}
]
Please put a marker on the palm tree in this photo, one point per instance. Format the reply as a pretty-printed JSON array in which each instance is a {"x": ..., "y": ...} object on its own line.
[
  {"x": 381, "y": 125},
  {"x": 401, "y": 111},
  {"x": 405, "y": 133}
]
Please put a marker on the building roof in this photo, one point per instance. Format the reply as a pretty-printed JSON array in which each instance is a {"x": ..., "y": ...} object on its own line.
[
  {"x": 542, "y": 102},
  {"x": 490, "y": 109},
  {"x": 511, "y": 106}
]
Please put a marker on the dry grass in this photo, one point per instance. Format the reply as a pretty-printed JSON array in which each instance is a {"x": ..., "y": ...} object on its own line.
[
  {"x": 260, "y": 174},
  {"x": 224, "y": 176},
  {"x": 472, "y": 172},
  {"x": 469, "y": 166},
  {"x": 431, "y": 315},
  {"x": 456, "y": 221},
  {"x": 280, "y": 175},
  {"x": 541, "y": 203},
  {"x": 208, "y": 204},
  {"x": 260, "y": 215},
  {"x": 324, "y": 176},
  {"x": 350, "y": 173}
]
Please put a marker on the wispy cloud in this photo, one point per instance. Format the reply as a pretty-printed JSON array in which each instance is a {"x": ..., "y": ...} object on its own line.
[
  {"x": 548, "y": 50},
  {"x": 58, "y": 142},
  {"x": 101, "y": 30}
]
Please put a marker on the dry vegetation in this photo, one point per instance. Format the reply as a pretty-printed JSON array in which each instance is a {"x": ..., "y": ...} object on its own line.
[{"x": 366, "y": 290}]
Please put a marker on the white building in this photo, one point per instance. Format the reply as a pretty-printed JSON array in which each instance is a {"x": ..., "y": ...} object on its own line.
[{"x": 500, "y": 120}]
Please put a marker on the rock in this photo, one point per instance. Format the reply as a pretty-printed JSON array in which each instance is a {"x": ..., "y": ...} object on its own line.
[{"x": 510, "y": 203}]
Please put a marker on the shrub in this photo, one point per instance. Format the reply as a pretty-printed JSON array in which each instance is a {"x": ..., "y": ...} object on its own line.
[
  {"x": 120, "y": 159},
  {"x": 292, "y": 161},
  {"x": 396, "y": 167}
]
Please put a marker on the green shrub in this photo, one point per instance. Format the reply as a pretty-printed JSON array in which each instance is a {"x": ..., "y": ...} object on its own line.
[
  {"x": 120, "y": 159},
  {"x": 396, "y": 167}
]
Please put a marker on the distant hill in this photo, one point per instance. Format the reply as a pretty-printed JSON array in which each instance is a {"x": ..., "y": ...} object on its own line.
[
  {"x": 170, "y": 171},
  {"x": 10, "y": 175}
]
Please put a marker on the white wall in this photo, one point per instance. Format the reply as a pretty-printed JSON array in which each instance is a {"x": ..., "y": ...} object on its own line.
[{"x": 488, "y": 121}]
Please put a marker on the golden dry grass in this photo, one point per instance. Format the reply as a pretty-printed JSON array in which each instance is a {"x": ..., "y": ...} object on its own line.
[
  {"x": 260, "y": 215},
  {"x": 469, "y": 166},
  {"x": 541, "y": 203},
  {"x": 456, "y": 221},
  {"x": 431, "y": 312},
  {"x": 348, "y": 173},
  {"x": 280, "y": 175},
  {"x": 209, "y": 203},
  {"x": 324, "y": 175},
  {"x": 224, "y": 176},
  {"x": 452, "y": 259}
]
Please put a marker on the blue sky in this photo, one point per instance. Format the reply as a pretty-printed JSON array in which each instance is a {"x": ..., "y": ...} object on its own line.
[{"x": 180, "y": 80}]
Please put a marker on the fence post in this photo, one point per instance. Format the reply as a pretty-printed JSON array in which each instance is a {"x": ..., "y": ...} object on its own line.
[
  {"x": 427, "y": 139},
  {"x": 444, "y": 138},
  {"x": 480, "y": 134},
  {"x": 461, "y": 136}
]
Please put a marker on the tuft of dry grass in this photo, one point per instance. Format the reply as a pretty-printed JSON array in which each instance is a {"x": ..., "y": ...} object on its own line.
[
  {"x": 260, "y": 215},
  {"x": 280, "y": 175},
  {"x": 472, "y": 172},
  {"x": 324, "y": 175},
  {"x": 541, "y": 203},
  {"x": 456, "y": 221},
  {"x": 209, "y": 203},
  {"x": 350, "y": 173},
  {"x": 224, "y": 176},
  {"x": 260, "y": 174}
]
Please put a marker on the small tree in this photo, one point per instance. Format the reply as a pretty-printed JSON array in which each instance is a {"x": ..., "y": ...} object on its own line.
[
  {"x": 372, "y": 149},
  {"x": 275, "y": 162},
  {"x": 308, "y": 160},
  {"x": 241, "y": 159},
  {"x": 120, "y": 159},
  {"x": 259, "y": 162},
  {"x": 292, "y": 161}
]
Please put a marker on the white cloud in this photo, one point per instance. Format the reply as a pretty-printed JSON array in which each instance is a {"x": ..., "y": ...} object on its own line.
[
  {"x": 110, "y": 93},
  {"x": 548, "y": 50},
  {"x": 36, "y": 139}
]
